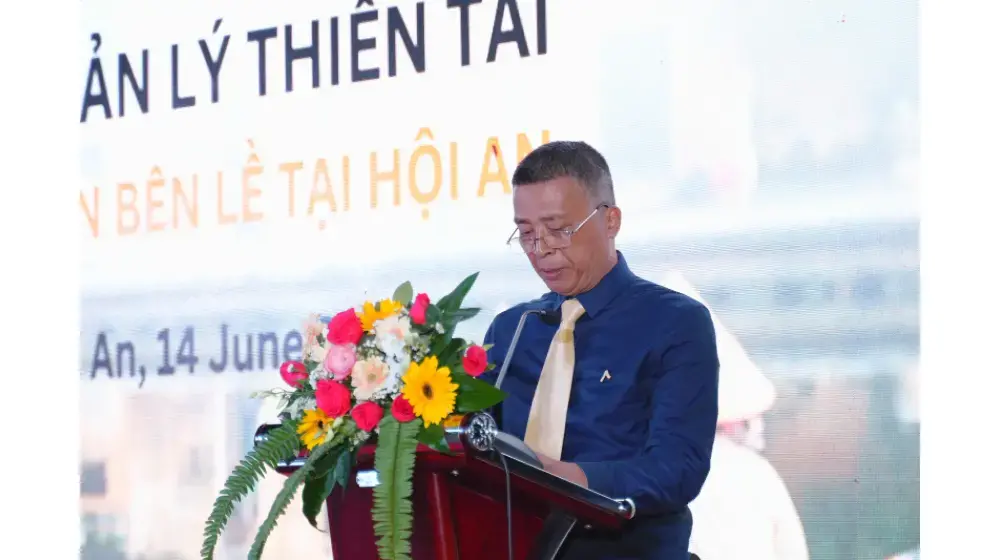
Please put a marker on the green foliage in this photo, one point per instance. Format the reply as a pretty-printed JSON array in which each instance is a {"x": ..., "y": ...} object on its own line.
[
  {"x": 319, "y": 486},
  {"x": 281, "y": 444},
  {"x": 329, "y": 460},
  {"x": 392, "y": 511},
  {"x": 433, "y": 436},
  {"x": 285, "y": 497},
  {"x": 463, "y": 314},
  {"x": 433, "y": 316},
  {"x": 342, "y": 470},
  {"x": 327, "y": 472},
  {"x": 333, "y": 469},
  {"x": 404, "y": 293},
  {"x": 453, "y": 301},
  {"x": 475, "y": 394},
  {"x": 448, "y": 350}
]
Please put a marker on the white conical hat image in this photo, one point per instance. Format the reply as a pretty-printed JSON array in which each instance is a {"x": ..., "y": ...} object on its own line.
[{"x": 744, "y": 392}]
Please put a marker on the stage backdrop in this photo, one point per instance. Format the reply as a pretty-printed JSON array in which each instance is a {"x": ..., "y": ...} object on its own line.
[{"x": 247, "y": 163}]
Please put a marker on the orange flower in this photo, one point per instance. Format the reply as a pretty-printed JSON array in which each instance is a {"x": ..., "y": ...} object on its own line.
[{"x": 453, "y": 421}]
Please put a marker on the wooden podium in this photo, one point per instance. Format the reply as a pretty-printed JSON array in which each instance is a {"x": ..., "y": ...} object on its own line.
[{"x": 460, "y": 502}]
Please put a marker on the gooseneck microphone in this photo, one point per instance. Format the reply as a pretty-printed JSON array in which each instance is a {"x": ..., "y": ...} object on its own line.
[
  {"x": 505, "y": 443},
  {"x": 548, "y": 316}
]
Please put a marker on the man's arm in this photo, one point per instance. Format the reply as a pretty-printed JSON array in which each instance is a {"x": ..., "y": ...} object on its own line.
[{"x": 672, "y": 468}]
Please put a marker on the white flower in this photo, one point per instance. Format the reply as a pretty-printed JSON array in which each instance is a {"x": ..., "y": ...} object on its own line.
[
  {"x": 388, "y": 388},
  {"x": 367, "y": 378},
  {"x": 316, "y": 353},
  {"x": 397, "y": 358},
  {"x": 300, "y": 405},
  {"x": 394, "y": 327},
  {"x": 319, "y": 372},
  {"x": 312, "y": 332}
]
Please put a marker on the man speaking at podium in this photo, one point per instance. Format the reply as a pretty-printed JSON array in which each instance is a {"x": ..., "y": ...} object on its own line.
[{"x": 622, "y": 396}]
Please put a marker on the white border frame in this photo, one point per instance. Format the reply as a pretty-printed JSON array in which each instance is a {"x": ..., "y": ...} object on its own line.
[
  {"x": 960, "y": 390},
  {"x": 39, "y": 295},
  {"x": 961, "y": 285}
]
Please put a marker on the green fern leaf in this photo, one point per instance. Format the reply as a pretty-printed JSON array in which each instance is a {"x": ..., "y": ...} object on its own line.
[
  {"x": 281, "y": 444},
  {"x": 285, "y": 497},
  {"x": 392, "y": 510}
]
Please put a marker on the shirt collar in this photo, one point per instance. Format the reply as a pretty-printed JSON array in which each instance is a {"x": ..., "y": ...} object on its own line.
[{"x": 614, "y": 282}]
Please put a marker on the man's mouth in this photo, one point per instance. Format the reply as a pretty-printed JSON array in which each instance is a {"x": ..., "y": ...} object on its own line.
[{"x": 550, "y": 273}]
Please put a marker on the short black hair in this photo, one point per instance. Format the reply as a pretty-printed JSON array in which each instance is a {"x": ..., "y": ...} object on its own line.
[{"x": 564, "y": 158}]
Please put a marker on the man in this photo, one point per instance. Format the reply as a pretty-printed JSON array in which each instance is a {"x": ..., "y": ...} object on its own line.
[{"x": 622, "y": 396}]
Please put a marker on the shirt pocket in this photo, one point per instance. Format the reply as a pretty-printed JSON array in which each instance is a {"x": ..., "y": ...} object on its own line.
[{"x": 620, "y": 401}]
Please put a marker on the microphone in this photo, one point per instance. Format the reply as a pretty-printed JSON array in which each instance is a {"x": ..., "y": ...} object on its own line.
[
  {"x": 551, "y": 317},
  {"x": 548, "y": 316},
  {"x": 506, "y": 444}
]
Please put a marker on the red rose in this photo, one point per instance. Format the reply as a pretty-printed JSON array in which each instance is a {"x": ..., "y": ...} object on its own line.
[
  {"x": 402, "y": 410},
  {"x": 293, "y": 373},
  {"x": 418, "y": 311},
  {"x": 332, "y": 398},
  {"x": 345, "y": 328},
  {"x": 474, "y": 362},
  {"x": 367, "y": 415}
]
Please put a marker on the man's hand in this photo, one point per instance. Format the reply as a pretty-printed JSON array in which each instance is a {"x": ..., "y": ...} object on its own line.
[{"x": 570, "y": 471}]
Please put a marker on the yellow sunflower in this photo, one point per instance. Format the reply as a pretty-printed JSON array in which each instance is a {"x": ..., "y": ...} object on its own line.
[
  {"x": 430, "y": 390},
  {"x": 371, "y": 312},
  {"x": 315, "y": 428}
]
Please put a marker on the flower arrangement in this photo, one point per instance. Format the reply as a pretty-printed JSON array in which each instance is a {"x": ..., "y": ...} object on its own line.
[{"x": 391, "y": 371}]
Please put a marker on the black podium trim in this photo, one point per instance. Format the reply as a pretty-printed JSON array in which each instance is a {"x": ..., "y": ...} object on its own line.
[{"x": 555, "y": 531}]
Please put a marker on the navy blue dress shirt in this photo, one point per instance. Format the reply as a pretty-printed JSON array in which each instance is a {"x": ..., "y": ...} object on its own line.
[{"x": 646, "y": 431}]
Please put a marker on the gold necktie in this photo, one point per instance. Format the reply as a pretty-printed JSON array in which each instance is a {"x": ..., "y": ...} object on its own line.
[{"x": 547, "y": 419}]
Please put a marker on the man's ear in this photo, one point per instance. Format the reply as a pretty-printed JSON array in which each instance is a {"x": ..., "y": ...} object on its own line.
[{"x": 614, "y": 221}]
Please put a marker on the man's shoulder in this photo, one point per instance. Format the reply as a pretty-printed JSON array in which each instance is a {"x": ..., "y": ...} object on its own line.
[{"x": 663, "y": 299}]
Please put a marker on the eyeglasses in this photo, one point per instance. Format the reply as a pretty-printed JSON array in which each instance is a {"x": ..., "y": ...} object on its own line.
[{"x": 554, "y": 238}]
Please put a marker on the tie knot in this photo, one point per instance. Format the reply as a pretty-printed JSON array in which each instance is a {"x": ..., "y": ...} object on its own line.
[{"x": 572, "y": 310}]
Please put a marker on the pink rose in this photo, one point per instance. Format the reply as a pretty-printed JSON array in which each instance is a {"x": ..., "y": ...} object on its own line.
[
  {"x": 475, "y": 361},
  {"x": 293, "y": 373},
  {"x": 418, "y": 311},
  {"x": 345, "y": 328},
  {"x": 367, "y": 415},
  {"x": 339, "y": 360},
  {"x": 333, "y": 398},
  {"x": 402, "y": 410}
]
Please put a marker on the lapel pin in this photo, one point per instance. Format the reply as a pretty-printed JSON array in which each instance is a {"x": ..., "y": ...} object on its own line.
[{"x": 606, "y": 376}]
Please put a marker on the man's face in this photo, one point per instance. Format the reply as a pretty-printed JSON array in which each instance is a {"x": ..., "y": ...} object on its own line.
[{"x": 561, "y": 204}]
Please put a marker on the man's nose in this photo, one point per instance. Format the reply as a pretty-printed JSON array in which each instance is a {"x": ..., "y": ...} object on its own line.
[{"x": 542, "y": 248}]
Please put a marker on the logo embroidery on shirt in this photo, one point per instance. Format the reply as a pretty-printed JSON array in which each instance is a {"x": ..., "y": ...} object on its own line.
[{"x": 606, "y": 376}]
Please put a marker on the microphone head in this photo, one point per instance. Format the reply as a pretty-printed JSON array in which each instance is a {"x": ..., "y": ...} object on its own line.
[{"x": 550, "y": 316}]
